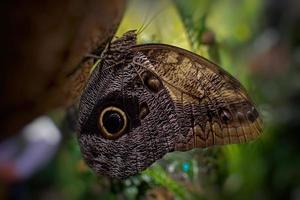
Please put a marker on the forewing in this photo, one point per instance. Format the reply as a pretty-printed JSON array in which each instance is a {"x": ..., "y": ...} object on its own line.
[{"x": 212, "y": 107}]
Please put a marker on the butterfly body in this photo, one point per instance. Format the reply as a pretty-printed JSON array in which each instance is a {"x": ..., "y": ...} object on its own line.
[{"x": 143, "y": 101}]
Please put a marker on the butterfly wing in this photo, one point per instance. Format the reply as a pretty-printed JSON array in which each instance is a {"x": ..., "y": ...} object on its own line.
[{"x": 212, "y": 107}]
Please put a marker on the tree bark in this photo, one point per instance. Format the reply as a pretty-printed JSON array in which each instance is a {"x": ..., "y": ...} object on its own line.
[{"x": 43, "y": 46}]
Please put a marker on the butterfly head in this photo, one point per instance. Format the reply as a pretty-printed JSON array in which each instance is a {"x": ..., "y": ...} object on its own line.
[{"x": 124, "y": 43}]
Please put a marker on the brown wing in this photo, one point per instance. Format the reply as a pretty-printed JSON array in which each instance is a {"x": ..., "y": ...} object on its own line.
[{"x": 212, "y": 107}]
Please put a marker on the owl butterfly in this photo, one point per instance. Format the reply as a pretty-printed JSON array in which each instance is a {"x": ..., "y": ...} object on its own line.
[{"x": 143, "y": 101}]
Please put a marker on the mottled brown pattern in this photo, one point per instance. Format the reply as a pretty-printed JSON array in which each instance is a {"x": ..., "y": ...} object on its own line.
[
  {"x": 173, "y": 100},
  {"x": 212, "y": 106}
]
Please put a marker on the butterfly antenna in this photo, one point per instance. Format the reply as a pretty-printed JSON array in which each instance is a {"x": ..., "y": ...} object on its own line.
[
  {"x": 144, "y": 21},
  {"x": 143, "y": 27}
]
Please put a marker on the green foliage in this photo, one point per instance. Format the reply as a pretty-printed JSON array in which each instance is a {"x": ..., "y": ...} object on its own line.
[{"x": 160, "y": 177}]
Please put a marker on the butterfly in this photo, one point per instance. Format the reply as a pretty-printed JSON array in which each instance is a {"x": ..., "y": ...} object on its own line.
[{"x": 143, "y": 101}]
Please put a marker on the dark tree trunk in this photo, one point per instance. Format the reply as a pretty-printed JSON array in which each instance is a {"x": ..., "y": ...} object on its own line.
[{"x": 42, "y": 47}]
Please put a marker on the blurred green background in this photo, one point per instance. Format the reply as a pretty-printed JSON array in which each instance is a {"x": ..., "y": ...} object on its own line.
[{"x": 258, "y": 42}]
